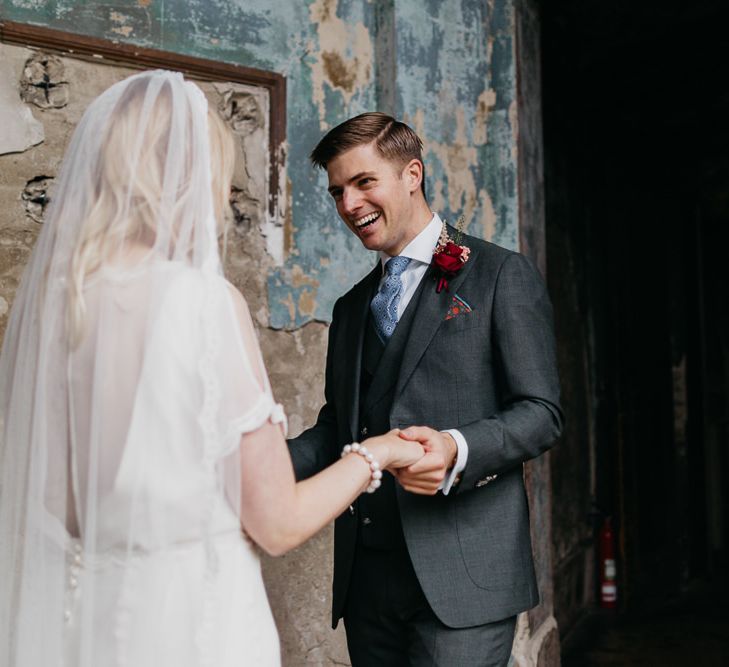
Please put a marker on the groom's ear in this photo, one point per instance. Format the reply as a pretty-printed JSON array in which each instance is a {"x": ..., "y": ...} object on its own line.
[{"x": 413, "y": 174}]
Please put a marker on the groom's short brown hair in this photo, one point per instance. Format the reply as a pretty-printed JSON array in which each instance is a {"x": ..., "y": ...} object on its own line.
[{"x": 393, "y": 140}]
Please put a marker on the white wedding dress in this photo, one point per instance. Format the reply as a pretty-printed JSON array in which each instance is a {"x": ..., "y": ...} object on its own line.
[
  {"x": 130, "y": 375},
  {"x": 171, "y": 579}
]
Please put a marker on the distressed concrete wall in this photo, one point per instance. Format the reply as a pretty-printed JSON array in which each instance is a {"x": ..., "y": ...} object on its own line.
[
  {"x": 295, "y": 359},
  {"x": 537, "y": 642},
  {"x": 446, "y": 66},
  {"x": 456, "y": 84}
]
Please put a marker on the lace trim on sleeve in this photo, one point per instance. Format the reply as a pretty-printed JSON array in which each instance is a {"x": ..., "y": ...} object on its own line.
[
  {"x": 266, "y": 409},
  {"x": 278, "y": 416},
  {"x": 208, "y": 423}
]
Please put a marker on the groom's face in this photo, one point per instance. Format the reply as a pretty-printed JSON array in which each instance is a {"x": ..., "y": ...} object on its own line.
[{"x": 374, "y": 197}]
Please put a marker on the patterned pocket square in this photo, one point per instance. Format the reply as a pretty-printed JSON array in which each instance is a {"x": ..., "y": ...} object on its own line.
[{"x": 458, "y": 307}]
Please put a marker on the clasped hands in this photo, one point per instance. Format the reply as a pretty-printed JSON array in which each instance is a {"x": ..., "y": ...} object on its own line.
[{"x": 420, "y": 457}]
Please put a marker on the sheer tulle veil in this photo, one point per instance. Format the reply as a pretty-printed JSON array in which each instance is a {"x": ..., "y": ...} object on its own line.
[{"x": 101, "y": 402}]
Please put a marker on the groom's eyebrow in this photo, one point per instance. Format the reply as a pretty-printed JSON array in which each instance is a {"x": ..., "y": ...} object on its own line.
[{"x": 361, "y": 174}]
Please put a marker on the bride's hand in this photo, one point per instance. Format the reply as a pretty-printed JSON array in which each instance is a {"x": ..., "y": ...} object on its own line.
[{"x": 391, "y": 451}]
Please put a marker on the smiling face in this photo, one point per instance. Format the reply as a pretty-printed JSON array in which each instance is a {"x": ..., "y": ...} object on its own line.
[{"x": 378, "y": 200}]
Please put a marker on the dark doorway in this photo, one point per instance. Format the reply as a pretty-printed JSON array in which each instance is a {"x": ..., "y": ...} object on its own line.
[{"x": 636, "y": 134}]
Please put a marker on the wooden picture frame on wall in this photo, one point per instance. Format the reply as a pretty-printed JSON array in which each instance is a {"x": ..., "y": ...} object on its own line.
[{"x": 101, "y": 50}]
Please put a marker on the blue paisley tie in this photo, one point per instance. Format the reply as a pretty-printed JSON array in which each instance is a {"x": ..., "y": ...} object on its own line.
[{"x": 384, "y": 305}]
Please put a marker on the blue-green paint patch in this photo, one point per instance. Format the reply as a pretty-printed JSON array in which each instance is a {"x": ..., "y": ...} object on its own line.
[{"x": 442, "y": 64}]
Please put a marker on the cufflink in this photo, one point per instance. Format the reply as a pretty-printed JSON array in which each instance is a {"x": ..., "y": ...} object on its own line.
[{"x": 486, "y": 480}]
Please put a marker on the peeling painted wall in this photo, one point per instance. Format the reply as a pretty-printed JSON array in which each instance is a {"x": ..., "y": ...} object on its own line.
[
  {"x": 448, "y": 69},
  {"x": 295, "y": 359},
  {"x": 456, "y": 86},
  {"x": 445, "y": 66}
]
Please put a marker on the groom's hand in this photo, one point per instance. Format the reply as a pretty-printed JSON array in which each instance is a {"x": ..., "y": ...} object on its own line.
[{"x": 426, "y": 475}]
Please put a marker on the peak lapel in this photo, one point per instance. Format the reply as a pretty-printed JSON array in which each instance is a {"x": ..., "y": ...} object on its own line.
[{"x": 431, "y": 312}]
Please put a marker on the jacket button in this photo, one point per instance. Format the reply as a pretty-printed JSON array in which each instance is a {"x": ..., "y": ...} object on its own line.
[
  {"x": 363, "y": 432},
  {"x": 366, "y": 521},
  {"x": 351, "y": 510}
]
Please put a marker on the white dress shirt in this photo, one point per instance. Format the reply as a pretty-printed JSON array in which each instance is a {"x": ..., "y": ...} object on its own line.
[{"x": 420, "y": 251}]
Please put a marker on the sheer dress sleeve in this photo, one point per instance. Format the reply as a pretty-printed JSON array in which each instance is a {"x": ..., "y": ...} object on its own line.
[{"x": 246, "y": 401}]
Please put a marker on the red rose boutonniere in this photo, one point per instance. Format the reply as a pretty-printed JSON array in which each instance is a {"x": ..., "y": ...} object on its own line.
[{"x": 448, "y": 258}]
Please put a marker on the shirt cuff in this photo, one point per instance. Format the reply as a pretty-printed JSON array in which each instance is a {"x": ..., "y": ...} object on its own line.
[{"x": 459, "y": 465}]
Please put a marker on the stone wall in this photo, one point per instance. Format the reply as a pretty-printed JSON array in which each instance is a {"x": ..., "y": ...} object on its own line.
[
  {"x": 37, "y": 122},
  {"x": 447, "y": 67}
]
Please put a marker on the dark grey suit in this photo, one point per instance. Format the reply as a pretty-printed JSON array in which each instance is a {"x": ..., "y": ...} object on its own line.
[{"x": 490, "y": 373}]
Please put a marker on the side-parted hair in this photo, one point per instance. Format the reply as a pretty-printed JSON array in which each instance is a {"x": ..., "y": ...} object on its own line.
[{"x": 394, "y": 141}]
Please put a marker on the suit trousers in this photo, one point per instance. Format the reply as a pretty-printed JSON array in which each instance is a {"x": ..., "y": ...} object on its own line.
[{"x": 389, "y": 623}]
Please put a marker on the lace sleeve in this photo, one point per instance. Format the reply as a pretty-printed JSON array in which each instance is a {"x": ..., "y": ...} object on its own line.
[{"x": 246, "y": 400}]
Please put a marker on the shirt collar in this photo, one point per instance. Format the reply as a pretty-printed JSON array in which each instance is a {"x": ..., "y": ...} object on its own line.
[{"x": 422, "y": 246}]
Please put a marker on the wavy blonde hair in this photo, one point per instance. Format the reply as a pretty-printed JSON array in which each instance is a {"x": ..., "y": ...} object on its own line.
[{"x": 128, "y": 202}]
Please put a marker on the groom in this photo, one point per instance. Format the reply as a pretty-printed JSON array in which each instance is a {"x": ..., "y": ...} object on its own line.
[{"x": 457, "y": 349}]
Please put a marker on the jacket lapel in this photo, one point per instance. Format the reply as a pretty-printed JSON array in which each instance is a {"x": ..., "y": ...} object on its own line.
[
  {"x": 355, "y": 331},
  {"x": 432, "y": 309}
]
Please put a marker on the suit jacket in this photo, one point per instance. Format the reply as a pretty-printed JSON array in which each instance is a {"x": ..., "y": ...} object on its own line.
[{"x": 487, "y": 368}]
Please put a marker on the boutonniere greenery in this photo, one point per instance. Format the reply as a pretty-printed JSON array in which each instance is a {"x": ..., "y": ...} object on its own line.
[{"x": 449, "y": 257}]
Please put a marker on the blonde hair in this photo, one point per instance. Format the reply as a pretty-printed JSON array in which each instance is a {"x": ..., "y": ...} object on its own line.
[
  {"x": 128, "y": 201},
  {"x": 222, "y": 165}
]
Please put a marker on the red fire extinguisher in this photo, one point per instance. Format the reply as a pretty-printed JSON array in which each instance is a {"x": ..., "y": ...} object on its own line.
[{"x": 608, "y": 572}]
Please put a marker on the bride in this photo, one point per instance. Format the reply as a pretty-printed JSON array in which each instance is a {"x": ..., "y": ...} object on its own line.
[{"x": 142, "y": 452}]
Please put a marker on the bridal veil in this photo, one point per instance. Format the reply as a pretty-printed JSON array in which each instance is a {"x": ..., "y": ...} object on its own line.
[{"x": 126, "y": 381}]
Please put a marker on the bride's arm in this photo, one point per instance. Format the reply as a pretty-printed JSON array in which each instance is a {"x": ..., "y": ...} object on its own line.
[{"x": 278, "y": 513}]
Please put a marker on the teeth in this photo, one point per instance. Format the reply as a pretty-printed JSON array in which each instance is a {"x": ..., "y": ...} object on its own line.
[{"x": 366, "y": 220}]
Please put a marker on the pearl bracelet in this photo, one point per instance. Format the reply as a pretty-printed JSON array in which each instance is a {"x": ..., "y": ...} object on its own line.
[{"x": 375, "y": 472}]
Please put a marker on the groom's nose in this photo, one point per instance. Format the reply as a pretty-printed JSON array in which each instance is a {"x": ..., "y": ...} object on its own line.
[{"x": 351, "y": 202}]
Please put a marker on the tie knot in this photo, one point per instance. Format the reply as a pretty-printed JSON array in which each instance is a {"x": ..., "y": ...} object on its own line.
[{"x": 396, "y": 265}]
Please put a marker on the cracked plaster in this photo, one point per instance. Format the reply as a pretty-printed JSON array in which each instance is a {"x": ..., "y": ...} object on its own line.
[
  {"x": 454, "y": 55},
  {"x": 19, "y": 130},
  {"x": 343, "y": 56},
  {"x": 453, "y": 75},
  {"x": 295, "y": 360}
]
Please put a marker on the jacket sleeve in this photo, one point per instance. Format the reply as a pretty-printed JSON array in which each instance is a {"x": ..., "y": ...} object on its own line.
[
  {"x": 529, "y": 417},
  {"x": 314, "y": 449}
]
